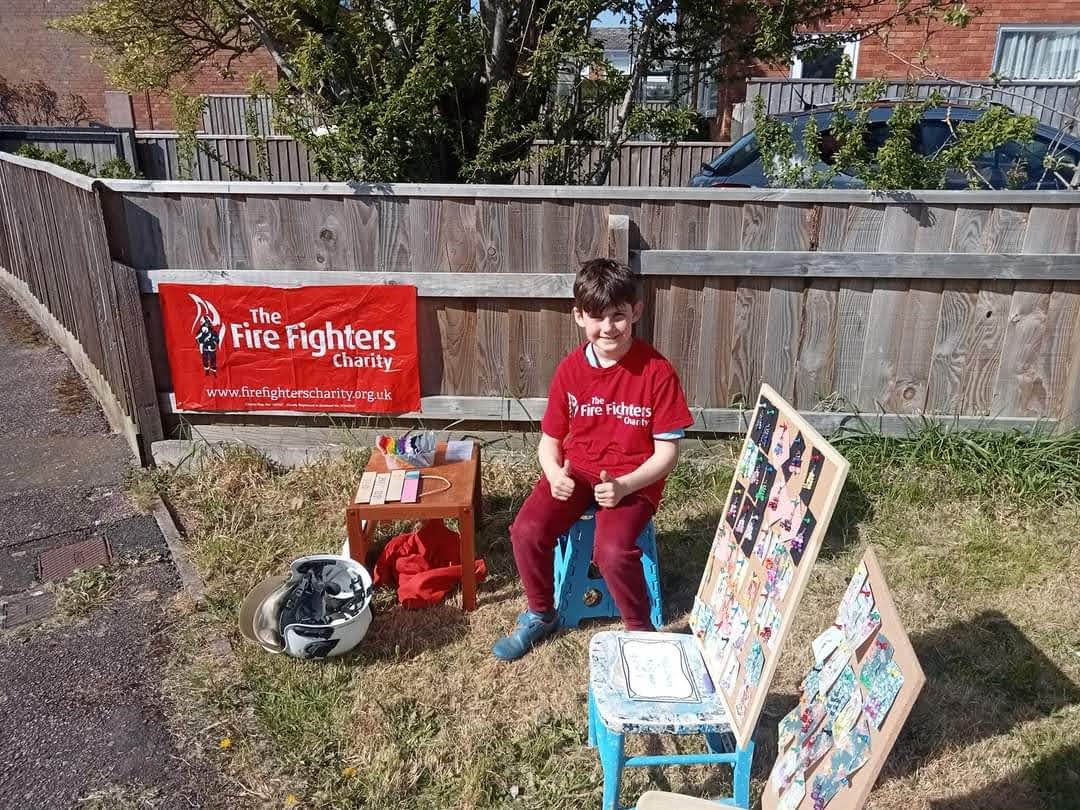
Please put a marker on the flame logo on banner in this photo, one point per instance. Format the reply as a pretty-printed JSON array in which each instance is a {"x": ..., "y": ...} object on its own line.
[{"x": 204, "y": 309}]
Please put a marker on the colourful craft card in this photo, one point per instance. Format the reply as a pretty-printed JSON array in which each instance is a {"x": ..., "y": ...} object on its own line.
[
  {"x": 797, "y": 544},
  {"x": 768, "y": 622},
  {"x": 851, "y": 754},
  {"x": 730, "y": 672},
  {"x": 779, "y": 443},
  {"x": 846, "y": 718},
  {"x": 793, "y": 463},
  {"x": 857, "y": 615},
  {"x": 841, "y": 692},
  {"x": 744, "y": 515},
  {"x": 785, "y": 571},
  {"x": 794, "y": 793},
  {"x": 800, "y": 723},
  {"x": 764, "y": 423},
  {"x": 833, "y": 667},
  {"x": 813, "y": 473},
  {"x": 744, "y": 699},
  {"x": 815, "y": 747},
  {"x": 732, "y": 513},
  {"x": 784, "y": 769},
  {"x": 765, "y": 540},
  {"x": 825, "y": 643},
  {"x": 748, "y": 460},
  {"x": 883, "y": 680},
  {"x": 755, "y": 662}
]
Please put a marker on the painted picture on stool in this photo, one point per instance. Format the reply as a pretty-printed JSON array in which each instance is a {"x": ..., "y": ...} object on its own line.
[{"x": 782, "y": 495}]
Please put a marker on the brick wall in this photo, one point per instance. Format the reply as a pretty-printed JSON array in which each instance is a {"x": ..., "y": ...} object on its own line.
[
  {"x": 957, "y": 53},
  {"x": 30, "y": 51}
]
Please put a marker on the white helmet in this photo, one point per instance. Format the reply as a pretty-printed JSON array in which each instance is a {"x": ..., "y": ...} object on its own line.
[{"x": 322, "y": 608}]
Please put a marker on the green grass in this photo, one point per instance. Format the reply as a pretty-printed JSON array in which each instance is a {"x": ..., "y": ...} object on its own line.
[{"x": 981, "y": 558}]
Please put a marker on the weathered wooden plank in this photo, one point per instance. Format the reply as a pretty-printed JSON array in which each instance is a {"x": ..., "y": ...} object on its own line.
[
  {"x": 862, "y": 230},
  {"x": 985, "y": 338},
  {"x": 725, "y": 226},
  {"x": 817, "y": 345},
  {"x": 853, "y": 264},
  {"x": 782, "y": 330},
  {"x": 970, "y": 229},
  {"x": 428, "y": 285},
  {"x": 1022, "y": 387},
  {"x": 884, "y": 328},
  {"x": 555, "y": 246},
  {"x": 361, "y": 229},
  {"x": 208, "y": 245},
  {"x": 677, "y": 324},
  {"x": 143, "y": 394},
  {"x": 717, "y": 340},
  {"x": 900, "y": 228},
  {"x": 708, "y": 420},
  {"x": 457, "y": 333},
  {"x": 758, "y": 227},
  {"x": 1060, "y": 341},
  {"x": 1050, "y": 229},
  {"x": 853, "y": 308},
  {"x": 831, "y": 227},
  {"x": 910, "y": 383},
  {"x": 492, "y": 318},
  {"x": 1007, "y": 229},
  {"x": 1070, "y": 403},
  {"x": 458, "y": 241},
  {"x": 935, "y": 228},
  {"x": 951, "y": 349},
  {"x": 395, "y": 249},
  {"x": 748, "y": 354},
  {"x": 526, "y": 224},
  {"x": 794, "y": 226},
  {"x": 589, "y": 233}
]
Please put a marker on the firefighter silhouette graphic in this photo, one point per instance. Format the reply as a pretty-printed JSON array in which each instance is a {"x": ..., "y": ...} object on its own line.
[{"x": 207, "y": 340}]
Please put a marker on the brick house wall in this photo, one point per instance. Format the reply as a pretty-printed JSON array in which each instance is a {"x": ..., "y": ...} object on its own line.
[{"x": 30, "y": 51}]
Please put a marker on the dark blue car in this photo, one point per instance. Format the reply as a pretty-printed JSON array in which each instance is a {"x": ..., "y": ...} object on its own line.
[{"x": 740, "y": 165}]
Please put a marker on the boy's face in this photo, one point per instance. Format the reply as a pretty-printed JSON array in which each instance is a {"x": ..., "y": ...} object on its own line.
[{"x": 610, "y": 332}]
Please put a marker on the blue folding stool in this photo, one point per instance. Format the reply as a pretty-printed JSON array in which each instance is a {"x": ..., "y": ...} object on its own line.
[
  {"x": 613, "y": 715},
  {"x": 580, "y": 591}
]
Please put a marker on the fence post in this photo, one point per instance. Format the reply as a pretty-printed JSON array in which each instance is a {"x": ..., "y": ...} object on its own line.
[
  {"x": 132, "y": 327},
  {"x": 619, "y": 237},
  {"x": 1070, "y": 403}
]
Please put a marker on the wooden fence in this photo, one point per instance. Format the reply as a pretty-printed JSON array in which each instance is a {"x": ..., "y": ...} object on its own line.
[
  {"x": 1055, "y": 104},
  {"x": 949, "y": 304},
  {"x": 54, "y": 260},
  {"x": 95, "y": 145},
  {"x": 639, "y": 163}
]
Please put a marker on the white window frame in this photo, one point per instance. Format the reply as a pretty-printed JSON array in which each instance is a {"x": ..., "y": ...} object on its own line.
[
  {"x": 851, "y": 51},
  {"x": 1004, "y": 29}
]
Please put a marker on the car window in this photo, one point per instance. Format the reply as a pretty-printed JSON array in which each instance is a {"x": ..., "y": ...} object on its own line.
[{"x": 738, "y": 156}]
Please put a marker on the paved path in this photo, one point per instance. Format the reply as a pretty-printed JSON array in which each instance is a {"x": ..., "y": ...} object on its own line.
[{"x": 81, "y": 713}]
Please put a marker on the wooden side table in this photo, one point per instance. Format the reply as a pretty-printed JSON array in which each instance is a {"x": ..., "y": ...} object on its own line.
[{"x": 461, "y": 501}]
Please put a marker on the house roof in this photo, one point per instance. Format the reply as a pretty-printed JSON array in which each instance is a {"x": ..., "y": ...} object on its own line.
[{"x": 613, "y": 39}]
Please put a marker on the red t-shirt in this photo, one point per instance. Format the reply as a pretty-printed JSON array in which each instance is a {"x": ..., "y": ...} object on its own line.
[{"x": 606, "y": 417}]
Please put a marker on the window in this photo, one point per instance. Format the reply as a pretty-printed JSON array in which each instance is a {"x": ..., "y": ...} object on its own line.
[
  {"x": 620, "y": 59},
  {"x": 658, "y": 87},
  {"x": 1039, "y": 53},
  {"x": 823, "y": 64}
]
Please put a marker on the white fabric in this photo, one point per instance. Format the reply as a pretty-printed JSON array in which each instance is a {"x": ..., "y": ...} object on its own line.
[{"x": 1045, "y": 54}]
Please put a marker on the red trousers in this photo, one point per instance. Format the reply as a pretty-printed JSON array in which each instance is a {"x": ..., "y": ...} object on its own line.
[{"x": 543, "y": 519}]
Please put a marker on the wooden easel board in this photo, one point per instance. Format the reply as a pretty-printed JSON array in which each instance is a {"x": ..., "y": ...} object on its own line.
[
  {"x": 863, "y": 660},
  {"x": 777, "y": 509}
]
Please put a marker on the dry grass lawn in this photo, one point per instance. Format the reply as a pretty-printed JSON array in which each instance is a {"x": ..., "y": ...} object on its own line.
[{"x": 981, "y": 554}]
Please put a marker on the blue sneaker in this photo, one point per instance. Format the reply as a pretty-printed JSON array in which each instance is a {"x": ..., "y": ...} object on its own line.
[{"x": 532, "y": 628}]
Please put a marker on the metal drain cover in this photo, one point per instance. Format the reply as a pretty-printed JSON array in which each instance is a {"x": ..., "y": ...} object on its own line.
[
  {"x": 26, "y": 608},
  {"x": 57, "y": 563}
]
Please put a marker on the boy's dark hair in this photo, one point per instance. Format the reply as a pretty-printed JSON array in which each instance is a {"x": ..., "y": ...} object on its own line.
[{"x": 604, "y": 283}]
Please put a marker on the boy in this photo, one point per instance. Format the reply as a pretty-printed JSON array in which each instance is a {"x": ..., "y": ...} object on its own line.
[{"x": 611, "y": 431}]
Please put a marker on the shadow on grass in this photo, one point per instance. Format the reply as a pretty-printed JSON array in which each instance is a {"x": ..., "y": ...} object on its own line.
[
  {"x": 398, "y": 634},
  {"x": 1051, "y": 783},
  {"x": 984, "y": 678}
]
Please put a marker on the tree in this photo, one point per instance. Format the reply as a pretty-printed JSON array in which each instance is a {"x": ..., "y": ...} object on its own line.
[{"x": 456, "y": 90}]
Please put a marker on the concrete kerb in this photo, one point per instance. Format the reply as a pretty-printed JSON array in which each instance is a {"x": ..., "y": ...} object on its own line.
[{"x": 190, "y": 580}]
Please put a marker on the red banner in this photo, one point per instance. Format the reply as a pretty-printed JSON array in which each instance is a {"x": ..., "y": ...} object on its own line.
[{"x": 344, "y": 349}]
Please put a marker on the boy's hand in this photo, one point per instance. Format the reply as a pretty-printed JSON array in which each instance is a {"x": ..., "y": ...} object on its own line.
[
  {"x": 562, "y": 485},
  {"x": 609, "y": 491}
]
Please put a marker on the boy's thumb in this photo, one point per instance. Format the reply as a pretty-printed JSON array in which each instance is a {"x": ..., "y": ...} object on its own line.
[
  {"x": 604, "y": 476},
  {"x": 566, "y": 467}
]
